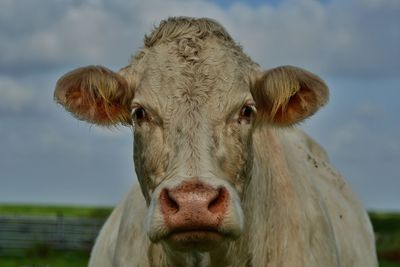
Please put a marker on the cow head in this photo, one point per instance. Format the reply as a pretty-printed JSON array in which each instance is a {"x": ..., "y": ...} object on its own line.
[{"x": 193, "y": 99}]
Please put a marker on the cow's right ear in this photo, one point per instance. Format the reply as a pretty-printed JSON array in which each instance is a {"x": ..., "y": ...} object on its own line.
[{"x": 95, "y": 94}]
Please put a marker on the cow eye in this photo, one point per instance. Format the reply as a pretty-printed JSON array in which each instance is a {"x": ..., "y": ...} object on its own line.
[
  {"x": 139, "y": 114},
  {"x": 247, "y": 112}
]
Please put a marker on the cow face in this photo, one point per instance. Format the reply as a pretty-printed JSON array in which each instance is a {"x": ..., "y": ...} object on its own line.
[
  {"x": 193, "y": 123},
  {"x": 193, "y": 107}
]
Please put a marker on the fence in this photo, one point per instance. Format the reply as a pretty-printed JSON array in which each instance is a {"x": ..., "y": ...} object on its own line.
[{"x": 60, "y": 233}]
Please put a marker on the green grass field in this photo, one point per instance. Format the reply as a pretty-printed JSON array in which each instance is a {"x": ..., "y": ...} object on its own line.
[
  {"x": 387, "y": 229},
  {"x": 386, "y": 225},
  {"x": 54, "y": 259}
]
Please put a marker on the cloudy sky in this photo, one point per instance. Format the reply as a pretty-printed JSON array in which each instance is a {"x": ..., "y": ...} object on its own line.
[{"x": 46, "y": 156}]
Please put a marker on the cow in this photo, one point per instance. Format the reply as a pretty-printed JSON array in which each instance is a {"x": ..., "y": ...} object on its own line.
[{"x": 225, "y": 177}]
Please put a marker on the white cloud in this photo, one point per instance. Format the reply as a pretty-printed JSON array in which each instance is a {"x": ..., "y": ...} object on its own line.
[
  {"x": 344, "y": 38},
  {"x": 13, "y": 96},
  {"x": 83, "y": 33}
]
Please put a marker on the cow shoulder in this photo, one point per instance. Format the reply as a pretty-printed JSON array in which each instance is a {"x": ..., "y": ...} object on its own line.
[
  {"x": 122, "y": 233},
  {"x": 103, "y": 251},
  {"x": 327, "y": 189}
]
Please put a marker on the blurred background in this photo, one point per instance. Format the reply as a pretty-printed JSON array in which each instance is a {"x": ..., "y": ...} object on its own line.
[{"x": 57, "y": 168}]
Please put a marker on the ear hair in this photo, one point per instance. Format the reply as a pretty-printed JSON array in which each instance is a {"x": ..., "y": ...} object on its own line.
[
  {"x": 95, "y": 94},
  {"x": 287, "y": 95}
]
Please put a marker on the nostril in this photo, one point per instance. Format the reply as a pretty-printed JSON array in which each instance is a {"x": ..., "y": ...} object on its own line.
[
  {"x": 168, "y": 202},
  {"x": 219, "y": 202}
]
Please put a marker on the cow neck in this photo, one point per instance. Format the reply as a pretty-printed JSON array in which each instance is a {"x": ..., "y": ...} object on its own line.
[{"x": 271, "y": 205}]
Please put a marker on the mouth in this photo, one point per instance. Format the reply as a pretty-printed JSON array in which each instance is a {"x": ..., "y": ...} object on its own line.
[{"x": 199, "y": 239}]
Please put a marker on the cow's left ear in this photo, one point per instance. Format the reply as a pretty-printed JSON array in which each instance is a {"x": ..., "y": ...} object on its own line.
[{"x": 287, "y": 95}]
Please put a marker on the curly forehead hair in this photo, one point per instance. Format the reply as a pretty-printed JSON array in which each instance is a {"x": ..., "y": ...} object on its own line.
[{"x": 183, "y": 27}]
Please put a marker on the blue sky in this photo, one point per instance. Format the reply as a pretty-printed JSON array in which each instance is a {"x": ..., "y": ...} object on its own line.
[{"x": 46, "y": 156}]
